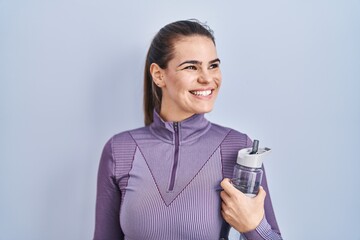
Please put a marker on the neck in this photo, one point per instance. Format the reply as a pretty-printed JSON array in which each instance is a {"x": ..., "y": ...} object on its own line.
[
  {"x": 171, "y": 117},
  {"x": 190, "y": 128}
]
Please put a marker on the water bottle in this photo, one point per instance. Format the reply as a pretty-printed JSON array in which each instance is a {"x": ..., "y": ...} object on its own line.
[{"x": 247, "y": 172}]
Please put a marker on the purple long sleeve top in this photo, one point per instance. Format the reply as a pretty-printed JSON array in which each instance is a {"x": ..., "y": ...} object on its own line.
[{"x": 163, "y": 182}]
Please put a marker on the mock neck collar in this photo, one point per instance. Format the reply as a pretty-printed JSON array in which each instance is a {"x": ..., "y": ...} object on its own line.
[{"x": 188, "y": 129}]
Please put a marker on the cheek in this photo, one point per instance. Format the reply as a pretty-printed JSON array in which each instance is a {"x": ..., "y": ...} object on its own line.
[
  {"x": 178, "y": 89},
  {"x": 182, "y": 85},
  {"x": 218, "y": 79}
]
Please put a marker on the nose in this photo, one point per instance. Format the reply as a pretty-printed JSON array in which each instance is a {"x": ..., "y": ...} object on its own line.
[{"x": 204, "y": 77}]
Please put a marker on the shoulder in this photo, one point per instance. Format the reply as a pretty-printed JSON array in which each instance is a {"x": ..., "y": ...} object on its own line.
[
  {"x": 123, "y": 141},
  {"x": 233, "y": 142},
  {"x": 233, "y": 136},
  {"x": 127, "y": 137},
  {"x": 122, "y": 146}
]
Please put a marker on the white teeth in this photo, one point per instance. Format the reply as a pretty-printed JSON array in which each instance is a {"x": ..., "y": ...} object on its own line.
[{"x": 201, "y": 93}]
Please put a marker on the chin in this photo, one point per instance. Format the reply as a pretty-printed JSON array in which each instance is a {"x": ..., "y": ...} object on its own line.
[{"x": 204, "y": 110}]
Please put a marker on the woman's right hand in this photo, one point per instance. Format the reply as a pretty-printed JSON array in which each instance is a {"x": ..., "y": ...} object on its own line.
[{"x": 240, "y": 211}]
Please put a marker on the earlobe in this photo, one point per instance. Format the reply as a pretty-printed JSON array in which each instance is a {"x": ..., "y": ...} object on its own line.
[{"x": 156, "y": 73}]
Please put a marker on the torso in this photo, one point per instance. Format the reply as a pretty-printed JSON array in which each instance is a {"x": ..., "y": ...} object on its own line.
[{"x": 161, "y": 200}]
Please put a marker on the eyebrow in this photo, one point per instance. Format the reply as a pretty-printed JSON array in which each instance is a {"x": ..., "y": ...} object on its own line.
[
  {"x": 198, "y": 62},
  {"x": 215, "y": 60}
]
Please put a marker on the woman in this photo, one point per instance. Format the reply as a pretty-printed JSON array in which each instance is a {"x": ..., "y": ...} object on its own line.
[{"x": 170, "y": 179}]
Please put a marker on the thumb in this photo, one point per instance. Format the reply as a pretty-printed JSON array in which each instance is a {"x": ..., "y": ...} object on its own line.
[
  {"x": 261, "y": 194},
  {"x": 227, "y": 186}
]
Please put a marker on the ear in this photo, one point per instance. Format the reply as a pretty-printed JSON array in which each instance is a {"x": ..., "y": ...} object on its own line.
[{"x": 157, "y": 75}]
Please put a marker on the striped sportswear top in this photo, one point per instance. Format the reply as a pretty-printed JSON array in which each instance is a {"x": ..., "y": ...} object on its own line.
[{"x": 162, "y": 181}]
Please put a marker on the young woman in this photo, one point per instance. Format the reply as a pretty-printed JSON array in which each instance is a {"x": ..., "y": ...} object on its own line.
[{"x": 170, "y": 179}]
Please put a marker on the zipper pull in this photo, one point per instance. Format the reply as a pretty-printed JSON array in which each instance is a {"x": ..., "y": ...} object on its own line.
[{"x": 176, "y": 127}]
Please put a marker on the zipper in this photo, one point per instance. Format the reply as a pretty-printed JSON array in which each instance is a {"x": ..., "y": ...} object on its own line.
[{"x": 176, "y": 156}]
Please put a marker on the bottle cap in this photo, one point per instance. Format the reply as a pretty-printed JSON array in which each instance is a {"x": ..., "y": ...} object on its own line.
[{"x": 252, "y": 160}]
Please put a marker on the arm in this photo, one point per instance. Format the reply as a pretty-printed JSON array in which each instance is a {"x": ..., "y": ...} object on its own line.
[
  {"x": 268, "y": 227},
  {"x": 107, "y": 222},
  {"x": 257, "y": 219}
]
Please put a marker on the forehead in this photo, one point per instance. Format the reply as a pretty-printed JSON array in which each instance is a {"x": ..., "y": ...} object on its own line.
[{"x": 194, "y": 48}]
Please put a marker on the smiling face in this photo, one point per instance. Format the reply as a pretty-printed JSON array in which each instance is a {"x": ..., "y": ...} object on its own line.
[{"x": 192, "y": 79}]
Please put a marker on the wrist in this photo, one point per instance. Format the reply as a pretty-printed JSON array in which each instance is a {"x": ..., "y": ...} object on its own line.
[{"x": 254, "y": 222}]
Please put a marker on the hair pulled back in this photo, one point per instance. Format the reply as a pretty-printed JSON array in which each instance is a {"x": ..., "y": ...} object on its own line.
[{"x": 161, "y": 51}]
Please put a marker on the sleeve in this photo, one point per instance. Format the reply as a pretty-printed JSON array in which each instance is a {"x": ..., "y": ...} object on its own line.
[
  {"x": 107, "y": 217},
  {"x": 268, "y": 228}
]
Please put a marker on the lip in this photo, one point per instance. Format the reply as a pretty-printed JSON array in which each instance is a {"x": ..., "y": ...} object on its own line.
[
  {"x": 208, "y": 97},
  {"x": 203, "y": 89}
]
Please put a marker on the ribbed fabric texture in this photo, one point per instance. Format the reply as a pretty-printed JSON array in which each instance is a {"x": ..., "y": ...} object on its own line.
[
  {"x": 268, "y": 228},
  {"x": 193, "y": 214},
  {"x": 263, "y": 231},
  {"x": 133, "y": 198},
  {"x": 233, "y": 142},
  {"x": 123, "y": 149},
  {"x": 193, "y": 155}
]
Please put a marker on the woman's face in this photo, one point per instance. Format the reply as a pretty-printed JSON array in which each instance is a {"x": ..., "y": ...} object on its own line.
[{"x": 191, "y": 81}]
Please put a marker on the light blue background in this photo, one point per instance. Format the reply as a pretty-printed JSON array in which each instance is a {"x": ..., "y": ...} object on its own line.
[{"x": 71, "y": 77}]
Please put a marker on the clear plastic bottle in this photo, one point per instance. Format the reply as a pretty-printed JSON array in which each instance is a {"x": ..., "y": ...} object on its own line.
[{"x": 247, "y": 172}]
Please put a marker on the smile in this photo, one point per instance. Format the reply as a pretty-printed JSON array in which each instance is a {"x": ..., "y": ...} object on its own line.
[{"x": 202, "y": 93}]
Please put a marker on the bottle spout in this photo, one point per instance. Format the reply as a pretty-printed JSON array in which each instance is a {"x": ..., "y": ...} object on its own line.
[
  {"x": 255, "y": 147},
  {"x": 264, "y": 151},
  {"x": 252, "y": 157}
]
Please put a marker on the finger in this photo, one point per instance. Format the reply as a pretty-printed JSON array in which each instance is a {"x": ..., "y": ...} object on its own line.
[
  {"x": 224, "y": 196},
  {"x": 228, "y": 187},
  {"x": 224, "y": 215},
  {"x": 225, "y": 211},
  {"x": 224, "y": 182},
  {"x": 231, "y": 191},
  {"x": 223, "y": 206},
  {"x": 261, "y": 194}
]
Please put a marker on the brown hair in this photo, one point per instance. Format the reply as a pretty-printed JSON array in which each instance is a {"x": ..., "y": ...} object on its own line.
[{"x": 161, "y": 52}]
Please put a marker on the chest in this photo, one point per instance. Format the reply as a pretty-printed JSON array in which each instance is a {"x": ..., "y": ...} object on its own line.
[{"x": 162, "y": 204}]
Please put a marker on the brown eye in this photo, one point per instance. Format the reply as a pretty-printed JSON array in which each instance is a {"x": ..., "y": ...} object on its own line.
[
  {"x": 214, "y": 65},
  {"x": 191, "y": 67}
]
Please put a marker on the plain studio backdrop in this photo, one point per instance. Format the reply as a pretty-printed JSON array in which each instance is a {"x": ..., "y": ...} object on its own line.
[{"x": 71, "y": 77}]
